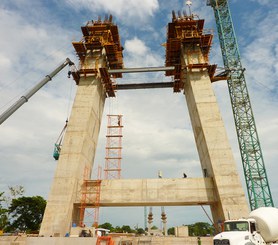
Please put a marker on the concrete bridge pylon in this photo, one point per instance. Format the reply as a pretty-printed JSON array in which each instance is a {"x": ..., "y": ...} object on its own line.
[{"x": 100, "y": 51}]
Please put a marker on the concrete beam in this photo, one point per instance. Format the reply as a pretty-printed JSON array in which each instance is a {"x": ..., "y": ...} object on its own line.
[{"x": 152, "y": 192}]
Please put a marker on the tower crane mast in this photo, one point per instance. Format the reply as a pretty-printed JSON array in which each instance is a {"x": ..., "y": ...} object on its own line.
[{"x": 259, "y": 193}]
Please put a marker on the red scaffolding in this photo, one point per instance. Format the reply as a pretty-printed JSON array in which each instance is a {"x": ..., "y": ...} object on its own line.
[
  {"x": 90, "y": 198},
  {"x": 113, "y": 156}
]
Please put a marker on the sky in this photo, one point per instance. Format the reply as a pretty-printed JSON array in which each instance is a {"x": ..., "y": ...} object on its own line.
[{"x": 36, "y": 36}]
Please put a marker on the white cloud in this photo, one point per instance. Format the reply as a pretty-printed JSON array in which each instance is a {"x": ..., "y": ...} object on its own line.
[
  {"x": 132, "y": 11},
  {"x": 28, "y": 52},
  {"x": 5, "y": 62},
  {"x": 266, "y": 2},
  {"x": 260, "y": 54},
  {"x": 138, "y": 54},
  {"x": 136, "y": 47}
]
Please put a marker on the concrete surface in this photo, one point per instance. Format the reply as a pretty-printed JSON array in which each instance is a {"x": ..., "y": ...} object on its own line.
[
  {"x": 92, "y": 240},
  {"x": 155, "y": 192},
  {"x": 212, "y": 143},
  {"x": 76, "y": 158}
]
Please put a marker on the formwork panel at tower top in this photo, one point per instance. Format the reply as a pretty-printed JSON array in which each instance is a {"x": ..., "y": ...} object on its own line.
[
  {"x": 187, "y": 30},
  {"x": 99, "y": 35}
]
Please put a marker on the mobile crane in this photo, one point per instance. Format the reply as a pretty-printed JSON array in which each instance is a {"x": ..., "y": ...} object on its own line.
[
  {"x": 24, "y": 98},
  {"x": 251, "y": 154}
]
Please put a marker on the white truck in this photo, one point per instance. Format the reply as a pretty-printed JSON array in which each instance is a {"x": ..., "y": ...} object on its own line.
[{"x": 260, "y": 228}]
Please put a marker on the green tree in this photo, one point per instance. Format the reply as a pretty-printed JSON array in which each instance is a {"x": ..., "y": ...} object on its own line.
[
  {"x": 171, "y": 231},
  {"x": 15, "y": 191},
  {"x": 3, "y": 213},
  {"x": 200, "y": 229},
  {"x": 5, "y": 201},
  {"x": 140, "y": 231},
  {"x": 26, "y": 213},
  {"x": 107, "y": 226},
  {"x": 126, "y": 228},
  {"x": 118, "y": 229}
]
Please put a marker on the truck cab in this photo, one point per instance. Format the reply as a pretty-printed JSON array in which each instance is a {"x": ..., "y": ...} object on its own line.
[{"x": 239, "y": 232}]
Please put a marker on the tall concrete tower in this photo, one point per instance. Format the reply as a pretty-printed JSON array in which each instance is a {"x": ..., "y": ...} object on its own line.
[
  {"x": 100, "y": 55},
  {"x": 99, "y": 48},
  {"x": 187, "y": 49}
]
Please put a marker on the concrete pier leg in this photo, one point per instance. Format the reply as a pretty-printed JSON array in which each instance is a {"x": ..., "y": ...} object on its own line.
[
  {"x": 214, "y": 150},
  {"x": 76, "y": 158}
]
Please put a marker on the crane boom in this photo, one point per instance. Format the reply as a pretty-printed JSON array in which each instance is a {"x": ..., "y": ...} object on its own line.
[
  {"x": 251, "y": 154},
  {"x": 24, "y": 98}
]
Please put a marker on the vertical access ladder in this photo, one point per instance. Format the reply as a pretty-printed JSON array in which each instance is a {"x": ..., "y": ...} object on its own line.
[
  {"x": 251, "y": 154},
  {"x": 113, "y": 148}
]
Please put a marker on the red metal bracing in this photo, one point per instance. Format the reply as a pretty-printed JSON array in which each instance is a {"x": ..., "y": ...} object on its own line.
[
  {"x": 90, "y": 198},
  {"x": 183, "y": 31},
  {"x": 173, "y": 50},
  {"x": 80, "y": 50},
  {"x": 177, "y": 75},
  {"x": 107, "y": 240},
  {"x": 99, "y": 35},
  {"x": 107, "y": 82},
  {"x": 76, "y": 76},
  {"x": 85, "y": 31}
]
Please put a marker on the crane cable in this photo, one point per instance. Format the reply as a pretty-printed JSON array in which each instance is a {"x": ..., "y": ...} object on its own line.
[
  {"x": 61, "y": 136},
  {"x": 70, "y": 94},
  {"x": 58, "y": 143}
]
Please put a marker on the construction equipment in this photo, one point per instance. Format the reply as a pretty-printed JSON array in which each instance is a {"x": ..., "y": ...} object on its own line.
[
  {"x": 58, "y": 144},
  {"x": 251, "y": 154},
  {"x": 29, "y": 94},
  {"x": 259, "y": 228}
]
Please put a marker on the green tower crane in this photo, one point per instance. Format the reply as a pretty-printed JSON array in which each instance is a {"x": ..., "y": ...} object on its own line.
[{"x": 251, "y": 154}]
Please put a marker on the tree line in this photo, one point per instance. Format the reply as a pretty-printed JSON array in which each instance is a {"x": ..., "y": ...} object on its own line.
[
  {"x": 19, "y": 213},
  {"x": 197, "y": 229}
]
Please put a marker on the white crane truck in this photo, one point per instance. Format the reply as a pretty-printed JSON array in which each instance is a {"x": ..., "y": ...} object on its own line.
[{"x": 260, "y": 228}]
